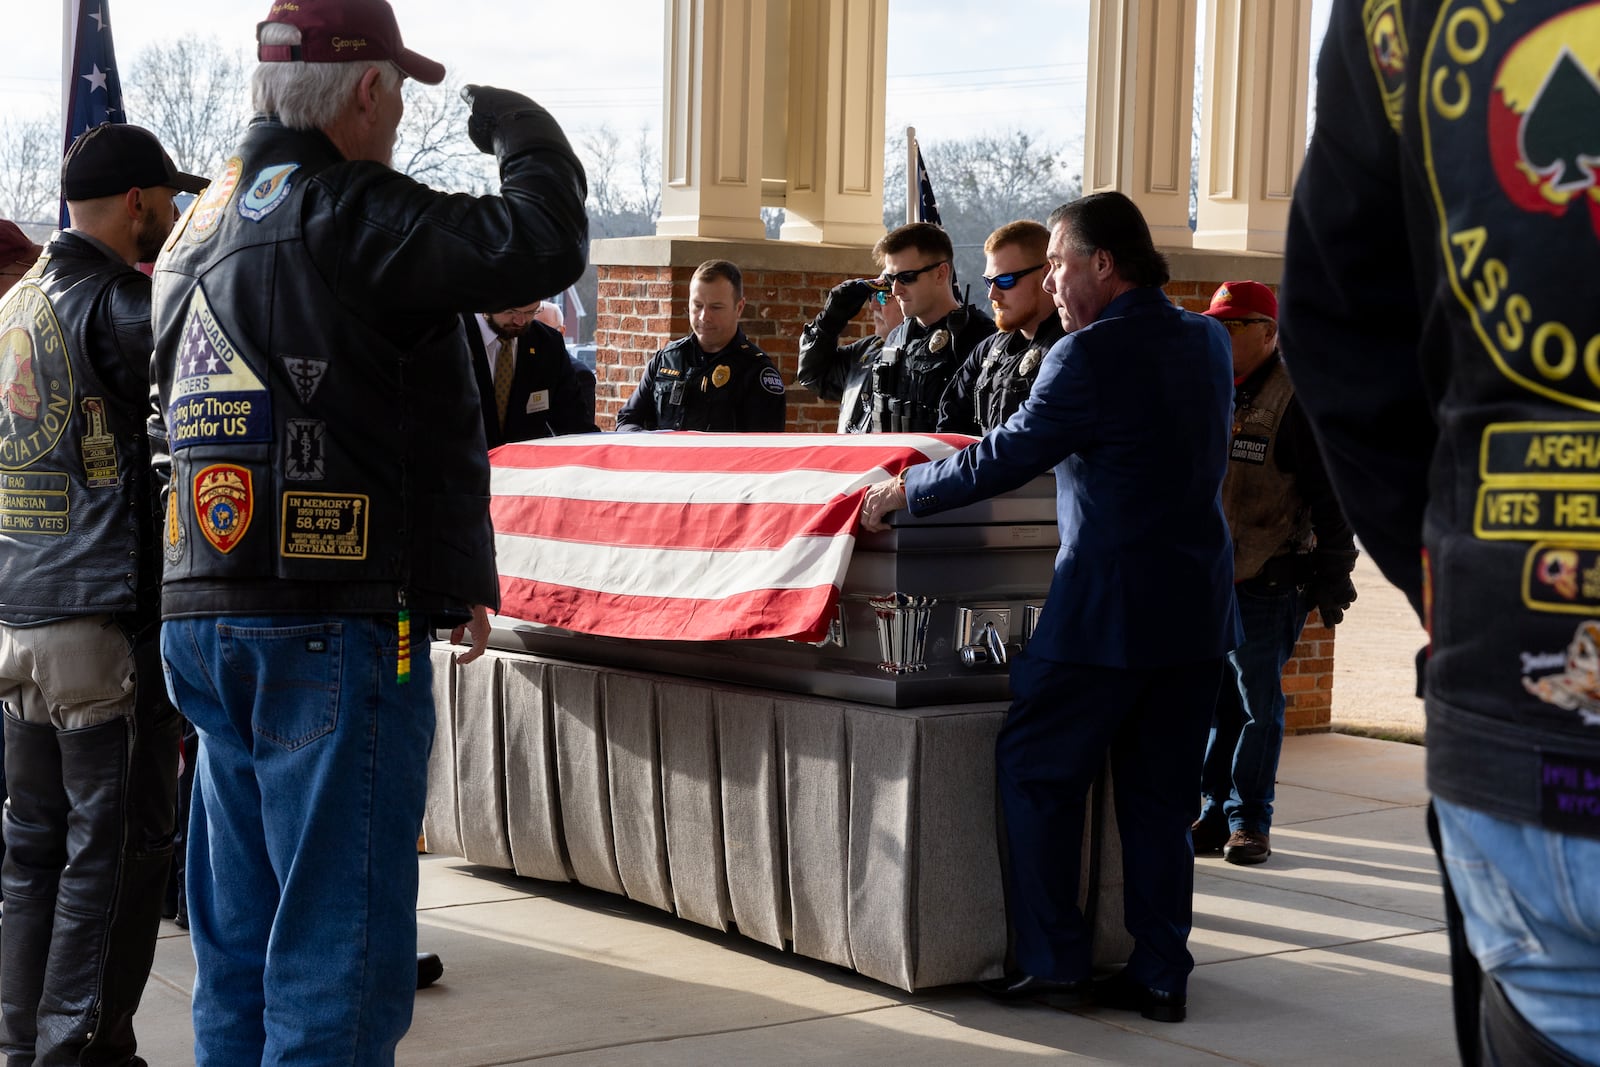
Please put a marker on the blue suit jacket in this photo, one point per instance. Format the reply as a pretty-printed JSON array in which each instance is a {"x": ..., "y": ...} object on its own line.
[{"x": 1134, "y": 413}]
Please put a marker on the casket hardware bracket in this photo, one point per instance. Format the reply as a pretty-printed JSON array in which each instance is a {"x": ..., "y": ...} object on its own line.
[{"x": 981, "y": 632}]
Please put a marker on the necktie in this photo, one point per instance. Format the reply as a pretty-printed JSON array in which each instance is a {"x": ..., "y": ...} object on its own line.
[{"x": 503, "y": 353}]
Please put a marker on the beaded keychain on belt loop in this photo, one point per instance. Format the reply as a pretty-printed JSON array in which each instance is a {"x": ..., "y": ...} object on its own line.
[{"x": 402, "y": 671}]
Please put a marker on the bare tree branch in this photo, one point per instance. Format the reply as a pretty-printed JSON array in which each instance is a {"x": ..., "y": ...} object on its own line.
[
  {"x": 193, "y": 94},
  {"x": 30, "y": 170}
]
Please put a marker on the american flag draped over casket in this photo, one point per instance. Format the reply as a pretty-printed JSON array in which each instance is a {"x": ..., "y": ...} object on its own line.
[{"x": 687, "y": 536}]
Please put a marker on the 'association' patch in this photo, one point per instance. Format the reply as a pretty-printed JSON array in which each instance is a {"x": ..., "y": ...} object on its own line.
[
  {"x": 224, "y": 500},
  {"x": 267, "y": 192},
  {"x": 35, "y": 379},
  {"x": 203, "y": 217},
  {"x": 772, "y": 381}
]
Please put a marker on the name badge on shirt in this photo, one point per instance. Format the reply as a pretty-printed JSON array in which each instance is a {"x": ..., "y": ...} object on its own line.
[{"x": 538, "y": 400}]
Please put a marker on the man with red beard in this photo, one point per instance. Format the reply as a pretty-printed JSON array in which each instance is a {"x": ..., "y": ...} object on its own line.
[{"x": 998, "y": 375}]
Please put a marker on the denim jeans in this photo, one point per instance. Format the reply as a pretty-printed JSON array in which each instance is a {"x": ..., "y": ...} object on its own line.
[
  {"x": 302, "y": 877},
  {"x": 1532, "y": 915},
  {"x": 1241, "y": 765}
]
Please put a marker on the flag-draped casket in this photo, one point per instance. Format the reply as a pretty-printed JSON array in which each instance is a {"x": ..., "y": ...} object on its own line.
[{"x": 738, "y": 557}]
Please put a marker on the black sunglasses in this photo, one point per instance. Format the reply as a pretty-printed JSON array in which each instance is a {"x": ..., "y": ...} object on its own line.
[
  {"x": 906, "y": 277},
  {"x": 1008, "y": 281}
]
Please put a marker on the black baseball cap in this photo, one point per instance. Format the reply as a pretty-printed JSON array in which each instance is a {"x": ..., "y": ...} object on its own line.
[{"x": 111, "y": 158}]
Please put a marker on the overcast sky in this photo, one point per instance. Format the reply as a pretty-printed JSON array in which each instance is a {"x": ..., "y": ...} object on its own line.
[{"x": 955, "y": 68}]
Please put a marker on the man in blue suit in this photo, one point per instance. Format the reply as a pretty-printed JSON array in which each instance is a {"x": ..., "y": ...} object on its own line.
[{"x": 1133, "y": 413}]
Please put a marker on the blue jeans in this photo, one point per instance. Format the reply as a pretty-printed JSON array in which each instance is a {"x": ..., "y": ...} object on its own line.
[
  {"x": 302, "y": 877},
  {"x": 1241, "y": 767},
  {"x": 1532, "y": 915}
]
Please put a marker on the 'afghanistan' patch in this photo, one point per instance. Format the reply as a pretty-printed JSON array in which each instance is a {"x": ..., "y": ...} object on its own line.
[
  {"x": 267, "y": 193},
  {"x": 325, "y": 525},
  {"x": 35, "y": 379},
  {"x": 216, "y": 396},
  {"x": 302, "y": 450},
  {"x": 205, "y": 213},
  {"x": 34, "y": 503},
  {"x": 772, "y": 381},
  {"x": 224, "y": 500},
  {"x": 173, "y": 540},
  {"x": 306, "y": 374},
  {"x": 99, "y": 446}
]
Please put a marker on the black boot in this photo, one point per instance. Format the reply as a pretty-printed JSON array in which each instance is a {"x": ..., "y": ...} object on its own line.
[
  {"x": 146, "y": 861},
  {"x": 94, "y": 772},
  {"x": 35, "y": 826}
]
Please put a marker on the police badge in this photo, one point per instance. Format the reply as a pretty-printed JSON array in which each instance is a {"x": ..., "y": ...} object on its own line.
[
  {"x": 939, "y": 341},
  {"x": 720, "y": 376},
  {"x": 1030, "y": 361}
]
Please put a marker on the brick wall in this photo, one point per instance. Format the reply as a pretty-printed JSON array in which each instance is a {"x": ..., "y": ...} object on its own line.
[{"x": 641, "y": 309}]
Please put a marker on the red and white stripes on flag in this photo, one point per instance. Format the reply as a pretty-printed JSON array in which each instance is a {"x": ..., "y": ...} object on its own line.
[{"x": 687, "y": 536}]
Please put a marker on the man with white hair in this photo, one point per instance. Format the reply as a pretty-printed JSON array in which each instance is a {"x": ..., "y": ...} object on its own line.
[{"x": 328, "y": 500}]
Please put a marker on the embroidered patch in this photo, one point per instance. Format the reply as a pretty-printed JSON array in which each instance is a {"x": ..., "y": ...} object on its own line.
[
  {"x": 1386, "y": 48},
  {"x": 99, "y": 446},
  {"x": 306, "y": 374},
  {"x": 173, "y": 541},
  {"x": 302, "y": 450},
  {"x": 324, "y": 525},
  {"x": 772, "y": 381},
  {"x": 267, "y": 193},
  {"x": 1577, "y": 687},
  {"x": 35, "y": 379},
  {"x": 206, "y": 212},
  {"x": 224, "y": 500},
  {"x": 1249, "y": 449},
  {"x": 1569, "y": 792},
  {"x": 34, "y": 503},
  {"x": 217, "y": 397}
]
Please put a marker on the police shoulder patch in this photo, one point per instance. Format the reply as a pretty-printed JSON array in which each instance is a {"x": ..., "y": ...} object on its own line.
[{"x": 772, "y": 381}]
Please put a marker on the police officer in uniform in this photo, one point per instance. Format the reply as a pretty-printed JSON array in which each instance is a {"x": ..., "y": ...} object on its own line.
[
  {"x": 91, "y": 738},
  {"x": 899, "y": 387},
  {"x": 714, "y": 379},
  {"x": 997, "y": 377}
]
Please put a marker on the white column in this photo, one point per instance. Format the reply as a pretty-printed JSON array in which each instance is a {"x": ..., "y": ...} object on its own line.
[
  {"x": 1140, "y": 108},
  {"x": 1253, "y": 121}
]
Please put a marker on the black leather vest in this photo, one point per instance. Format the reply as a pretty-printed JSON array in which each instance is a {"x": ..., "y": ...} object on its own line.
[
  {"x": 318, "y": 463},
  {"x": 75, "y": 494}
]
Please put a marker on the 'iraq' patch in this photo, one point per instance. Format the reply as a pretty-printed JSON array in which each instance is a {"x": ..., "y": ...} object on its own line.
[
  {"x": 772, "y": 381},
  {"x": 268, "y": 192},
  {"x": 1248, "y": 448},
  {"x": 302, "y": 450}
]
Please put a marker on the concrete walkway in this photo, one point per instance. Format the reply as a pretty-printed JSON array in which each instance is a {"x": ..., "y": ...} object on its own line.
[{"x": 1333, "y": 952}]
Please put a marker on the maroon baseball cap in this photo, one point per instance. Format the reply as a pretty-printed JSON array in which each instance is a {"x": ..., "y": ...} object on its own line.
[
  {"x": 1243, "y": 300},
  {"x": 345, "y": 31},
  {"x": 15, "y": 246}
]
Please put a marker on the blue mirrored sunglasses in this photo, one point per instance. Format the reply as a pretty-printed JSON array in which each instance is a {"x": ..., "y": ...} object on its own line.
[{"x": 1007, "y": 281}]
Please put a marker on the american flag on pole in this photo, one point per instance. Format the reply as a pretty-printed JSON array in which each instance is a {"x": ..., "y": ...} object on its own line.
[
  {"x": 687, "y": 536},
  {"x": 91, "y": 91},
  {"x": 921, "y": 204}
]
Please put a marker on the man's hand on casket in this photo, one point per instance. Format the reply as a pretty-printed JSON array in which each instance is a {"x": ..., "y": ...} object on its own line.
[
  {"x": 888, "y": 495},
  {"x": 479, "y": 629}
]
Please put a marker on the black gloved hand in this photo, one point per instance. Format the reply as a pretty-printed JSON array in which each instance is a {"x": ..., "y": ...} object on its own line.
[
  {"x": 490, "y": 108},
  {"x": 844, "y": 300},
  {"x": 1330, "y": 588}
]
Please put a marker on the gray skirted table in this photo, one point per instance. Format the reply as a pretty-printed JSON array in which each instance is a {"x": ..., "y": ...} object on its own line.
[{"x": 861, "y": 835}]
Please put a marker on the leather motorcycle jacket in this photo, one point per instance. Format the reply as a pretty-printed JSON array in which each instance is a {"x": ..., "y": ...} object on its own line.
[
  {"x": 312, "y": 378},
  {"x": 76, "y": 516}
]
